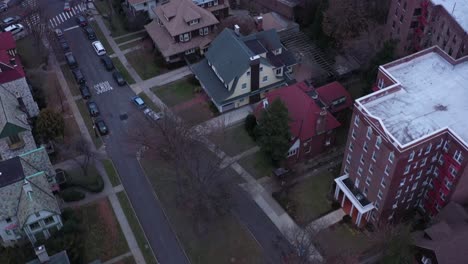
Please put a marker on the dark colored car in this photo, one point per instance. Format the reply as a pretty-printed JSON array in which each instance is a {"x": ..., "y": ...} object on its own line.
[
  {"x": 3, "y": 7},
  {"x": 79, "y": 77},
  {"x": 92, "y": 108},
  {"x": 84, "y": 90},
  {"x": 81, "y": 20},
  {"x": 89, "y": 32},
  {"x": 64, "y": 45},
  {"x": 101, "y": 127},
  {"x": 71, "y": 61},
  {"x": 107, "y": 62},
  {"x": 119, "y": 78}
]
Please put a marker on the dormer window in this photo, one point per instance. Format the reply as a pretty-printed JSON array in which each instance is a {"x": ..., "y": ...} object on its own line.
[
  {"x": 210, "y": 4},
  {"x": 203, "y": 31},
  {"x": 279, "y": 71},
  {"x": 184, "y": 37},
  {"x": 193, "y": 22},
  {"x": 277, "y": 51}
]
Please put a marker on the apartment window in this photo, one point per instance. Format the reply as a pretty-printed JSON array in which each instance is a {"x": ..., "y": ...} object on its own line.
[
  {"x": 401, "y": 18},
  {"x": 365, "y": 191},
  {"x": 359, "y": 171},
  {"x": 356, "y": 183},
  {"x": 448, "y": 183},
  {"x": 441, "y": 159},
  {"x": 348, "y": 158},
  {"x": 434, "y": 158},
  {"x": 423, "y": 162},
  {"x": 379, "y": 195},
  {"x": 415, "y": 185},
  {"x": 378, "y": 141},
  {"x": 353, "y": 134},
  {"x": 428, "y": 149},
  {"x": 440, "y": 143},
  {"x": 458, "y": 156},
  {"x": 402, "y": 182},
  {"x": 377, "y": 206},
  {"x": 446, "y": 146},
  {"x": 371, "y": 169},
  {"x": 418, "y": 175},
  {"x": 415, "y": 165},
  {"x": 391, "y": 157},
  {"x": 383, "y": 183},
  {"x": 374, "y": 156},
  {"x": 420, "y": 152},
  {"x": 364, "y": 147},
  {"x": 368, "y": 180},
  {"x": 346, "y": 169},
  {"x": 265, "y": 79},
  {"x": 356, "y": 121},
  {"x": 398, "y": 194},
  {"x": 436, "y": 172},
  {"x": 393, "y": 24},
  {"x": 387, "y": 170},
  {"x": 369, "y": 132},
  {"x": 351, "y": 147},
  {"x": 453, "y": 171},
  {"x": 407, "y": 169},
  {"x": 411, "y": 156},
  {"x": 362, "y": 159},
  {"x": 409, "y": 199},
  {"x": 411, "y": 177},
  {"x": 34, "y": 226},
  {"x": 244, "y": 86},
  {"x": 442, "y": 195},
  {"x": 49, "y": 220}
]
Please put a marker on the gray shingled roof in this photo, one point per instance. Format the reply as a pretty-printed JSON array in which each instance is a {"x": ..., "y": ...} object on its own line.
[
  {"x": 12, "y": 119},
  {"x": 59, "y": 258}
]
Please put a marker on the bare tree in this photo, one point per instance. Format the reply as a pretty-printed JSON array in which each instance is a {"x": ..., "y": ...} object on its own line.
[
  {"x": 37, "y": 24},
  {"x": 80, "y": 152},
  {"x": 302, "y": 241}
]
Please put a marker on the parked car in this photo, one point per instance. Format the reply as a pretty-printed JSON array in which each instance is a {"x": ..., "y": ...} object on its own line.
[
  {"x": 149, "y": 113},
  {"x": 71, "y": 61},
  {"x": 107, "y": 62},
  {"x": 14, "y": 29},
  {"x": 64, "y": 45},
  {"x": 3, "y": 7},
  {"x": 84, "y": 90},
  {"x": 138, "y": 102},
  {"x": 58, "y": 33},
  {"x": 98, "y": 48},
  {"x": 81, "y": 20},
  {"x": 11, "y": 20},
  {"x": 118, "y": 78},
  {"x": 89, "y": 32},
  {"x": 79, "y": 77},
  {"x": 66, "y": 7},
  {"x": 93, "y": 109},
  {"x": 101, "y": 127}
]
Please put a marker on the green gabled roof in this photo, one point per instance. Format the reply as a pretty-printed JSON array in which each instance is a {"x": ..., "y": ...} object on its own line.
[{"x": 10, "y": 130}]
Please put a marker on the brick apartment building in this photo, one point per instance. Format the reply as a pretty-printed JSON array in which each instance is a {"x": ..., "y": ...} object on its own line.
[
  {"x": 419, "y": 24},
  {"x": 408, "y": 141}
]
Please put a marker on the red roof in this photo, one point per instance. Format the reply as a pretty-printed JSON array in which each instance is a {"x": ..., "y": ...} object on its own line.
[
  {"x": 7, "y": 41},
  {"x": 332, "y": 92},
  {"x": 303, "y": 110}
]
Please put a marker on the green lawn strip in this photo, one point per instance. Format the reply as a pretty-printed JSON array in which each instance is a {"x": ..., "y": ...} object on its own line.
[
  {"x": 103, "y": 236},
  {"x": 70, "y": 80},
  {"x": 111, "y": 172},
  {"x": 176, "y": 92},
  {"x": 342, "y": 236},
  {"x": 149, "y": 102},
  {"x": 88, "y": 121},
  {"x": 144, "y": 63},
  {"x": 257, "y": 164},
  {"x": 233, "y": 140},
  {"x": 102, "y": 38},
  {"x": 226, "y": 239},
  {"x": 29, "y": 56},
  {"x": 129, "y": 45},
  {"x": 136, "y": 228},
  {"x": 118, "y": 64},
  {"x": 130, "y": 37}
]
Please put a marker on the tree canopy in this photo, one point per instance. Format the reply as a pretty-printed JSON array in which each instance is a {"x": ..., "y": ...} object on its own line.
[{"x": 49, "y": 125}]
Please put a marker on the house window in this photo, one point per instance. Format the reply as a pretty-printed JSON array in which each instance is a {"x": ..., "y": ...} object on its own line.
[
  {"x": 356, "y": 121},
  {"x": 203, "y": 31},
  {"x": 369, "y": 132},
  {"x": 34, "y": 226},
  {"x": 423, "y": 162},
  {"x": 261, "y": 68},
  {"x": 381, "y": 83},
  {"x": 359, "y": 171},
  {"x": 190, "y": 51},
  {"x": 215, "y": 2},
  {"x": 407, "y": 168},
  {"x": 248, "y": 73},
  {"x": 411, "y": 156},
  {"x": 362, "y": 159},
  {"x": 348, "y": 158},
  {"x": 458, "y": 156},
  {"x": 374, "y": 156},
  {"x": 184, "y": 37},
  {"x": 364, "y": 147},
  {"x": 49, "y": 220},
  {"x": 193, "y": 22},
  {"x": 453, "y": 171},
  {"x": 387, "y": 170},
  {"x": 391, "y": 157},
  {"x": 428, "y": 149},
  {"x": 351, "y": 147},
  {"x": 378, "y": 141},
  {"x": 265, "y": 79},
  {"x": 368, "y": 180},
  {"x": 244, "y": 86},
  {"x": 279, "y": 71},
  {"x": 292, "y": 152},
  {"x": 379, "y": 195}
]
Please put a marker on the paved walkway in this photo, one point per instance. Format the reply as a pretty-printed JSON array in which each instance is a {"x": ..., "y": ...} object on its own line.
[
  {"x": 327, "y": 220},
  {"x": 116, "y": 49}
]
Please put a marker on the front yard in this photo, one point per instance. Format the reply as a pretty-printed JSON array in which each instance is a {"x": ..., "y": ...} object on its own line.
[
  {"x": 145, "y": 63},
  {"x": 176, "y": 92},
  {"x": 103, "y": 236},
  {"x": 233, "y": 140},
  {"x": 257, "y": 164},
  {"x": 225, "y": 241}
]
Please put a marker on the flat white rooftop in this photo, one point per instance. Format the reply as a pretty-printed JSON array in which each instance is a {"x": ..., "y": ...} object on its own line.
[
  {"x": 458, "y": 9},
  {"x": 434, "y": 95}
]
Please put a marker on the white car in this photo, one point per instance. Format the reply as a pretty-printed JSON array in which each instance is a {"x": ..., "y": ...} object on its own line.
[
  {"x": 152, "y": 114},
  {"x": 14, "y": 29},
  {"x": 99, "y": 48}
]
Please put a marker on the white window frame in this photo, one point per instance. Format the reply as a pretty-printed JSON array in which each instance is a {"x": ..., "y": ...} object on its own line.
[
  {"x": 415, "y": 185},
  {"x": 418, "y": 175},
  {"x": 244, "y": 86},
  {"x": 383, "y": 183},
  {"x": 428, "y": 149},
  {"x": 398, "y": 194},
  {"x": 374, "y": 156},
  {"x": 265, "y": 78},
  {"x": 346, "y": 169},
  {"x": 387, "y": 170},
  {"x": 362, "y": 159},
  {"x": 356, "y": 183},
  {"x": 356, "y": 121},
  {"x": 402, "y": 182},
  {"x": 429, "y": 171},
  {"x": 365, "y": 146},
  {"x": 368, "y": 181},
  {"x": 369, "y": 133},
  {"x": 440, "y": 144},
  {"x": 280, "y": 71},
  {"x": 458, "y": 157},
  {"x": 407, "y": 169},
  {"x": 446, "y": 146},
  {"x": 453, "y": 171},
  {"x": 351, "y": 147},
  {"x": 348, "y": 158},
  {"x": 359, "y": 171},
  {"x": 378, "y": 142},
  {"x": 423, "y": 162},
  {"x": 353, "y": 134},
  {"x": 371, "y": 169},
  {"x": 448, "y": 183},
  {"x": 292, "y": 152},
  {"x": 391, "y": 157},
  {"x": 380, "y": 194},
  {"x": 411, "y": 156}
]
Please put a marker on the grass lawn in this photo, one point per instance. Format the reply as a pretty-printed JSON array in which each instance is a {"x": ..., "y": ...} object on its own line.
[
  {"x": 129, "y": 45},
  {"x": 342, "y": 239},
  {"x": 257, "y": 164},
  {"x": 234, "y": 140},
  {"x": 148, "y": 102},
  {"x": 70, "y": 80},
  {"x": 111, "y": 172},
  {"x": 225, "y": 240},
  {"x": 119, "y": 66},
  {"x": 89, "y": 122},
  {"x": 101, "y": 37},
  {"x": 28, "y": 53},
  {"x": 117, "y": 27},
  {"x": 144, "y": 63},
  {"x": 101, "y": 230},
  {"x": 196, "y": 114},
  {"x": 103, "y": 6},
  {"x": 130, "y": 37},
  {"x": 176, "y": 92},
  {"x": 309, "y": 197},
  {"x": 92, "y": 182},
  {"x": 136, "y": 228}
]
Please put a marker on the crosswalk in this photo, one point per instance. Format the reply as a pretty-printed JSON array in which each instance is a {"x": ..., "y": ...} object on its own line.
[
  {"x": 103, "y": 87},
  {"x": 64, "y": 16}
]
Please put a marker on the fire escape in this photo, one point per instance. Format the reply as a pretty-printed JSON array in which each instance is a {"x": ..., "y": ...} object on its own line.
[{"x": 422, "y": 23}]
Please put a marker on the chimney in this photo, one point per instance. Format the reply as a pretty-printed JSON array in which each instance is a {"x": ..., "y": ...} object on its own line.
[
  {"x": 237, "y": 29},
  {"x": 254, "y": 75},
  {"x": 321, "y": 123},
  {"x": 259, "y": 23},
  {"x": 41, "y": 254},
  {"x": 13, "y": 62}
]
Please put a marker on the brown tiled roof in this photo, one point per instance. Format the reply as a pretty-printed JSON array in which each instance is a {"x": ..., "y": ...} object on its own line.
[
  {"x": 166, "y": 44},
  {"x": 218, "y": 7},
  {"x": 176, "y": 14}
]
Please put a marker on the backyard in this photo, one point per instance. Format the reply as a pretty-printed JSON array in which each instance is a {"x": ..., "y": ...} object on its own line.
[
  {"x": 101, "y": 231},
  {"x": 225, "y": 241},
  {"x": 257, "y": 164},
  {"x": 233, "y": 140}
]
